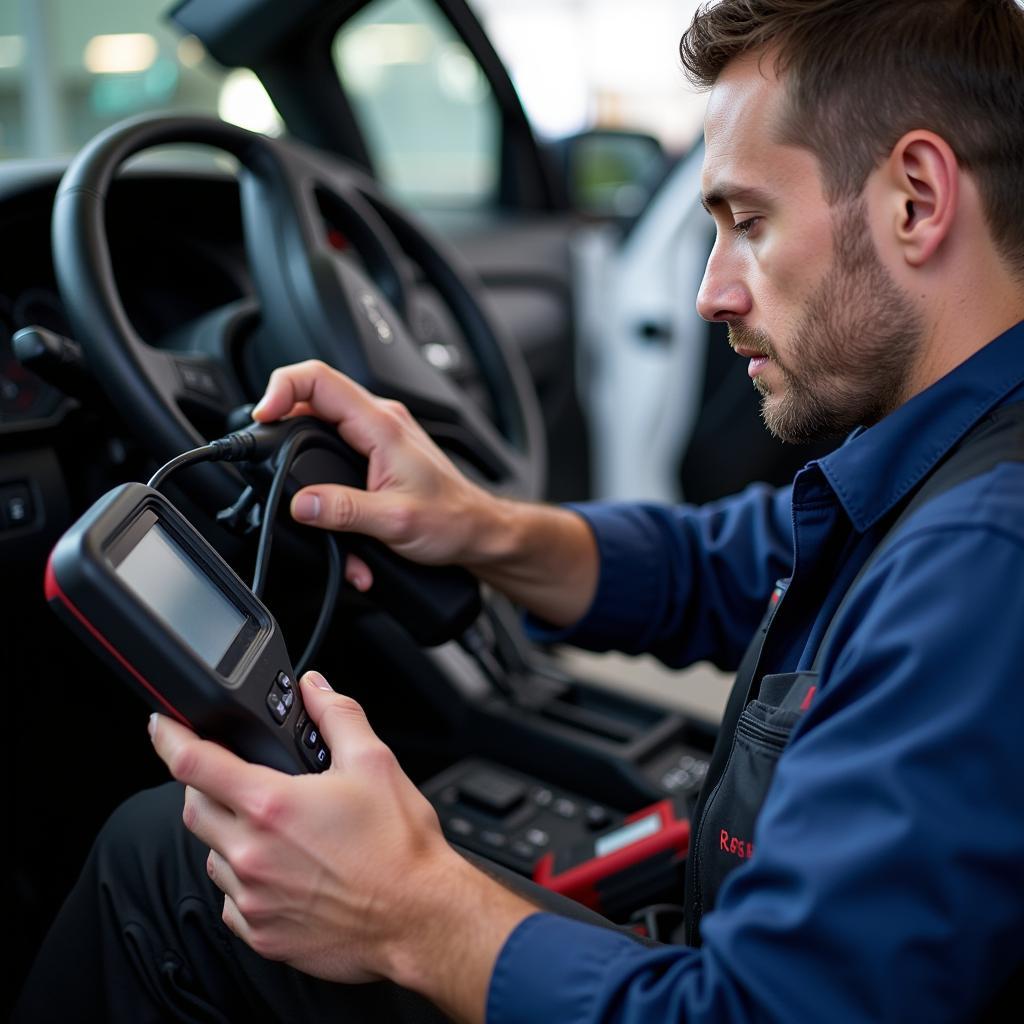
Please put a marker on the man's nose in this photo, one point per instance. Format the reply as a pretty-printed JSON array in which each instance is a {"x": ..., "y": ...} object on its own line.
[{"x": 723, "y": 294}]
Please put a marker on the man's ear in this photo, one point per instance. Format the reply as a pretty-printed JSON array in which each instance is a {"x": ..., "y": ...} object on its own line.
[{"x": 924, "y": 178}]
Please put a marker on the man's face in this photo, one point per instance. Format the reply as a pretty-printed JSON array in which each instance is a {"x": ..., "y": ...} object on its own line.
[{"x": 831, "y": 338}]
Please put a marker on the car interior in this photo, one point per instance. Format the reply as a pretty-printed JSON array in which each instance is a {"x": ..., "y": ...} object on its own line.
[{"x": 150, "y": 298}]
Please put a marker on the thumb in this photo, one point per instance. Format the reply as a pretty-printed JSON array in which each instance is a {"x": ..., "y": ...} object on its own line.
[
  {"x": 334, "y": 507},
  {"x": 341, "y": 719}
]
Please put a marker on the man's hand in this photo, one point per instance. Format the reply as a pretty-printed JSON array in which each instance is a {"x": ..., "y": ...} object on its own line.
[
  {"x": 416, "y": 501},
  {"x": 419, "y": 504},
  {"x": 344, "y": 875}
]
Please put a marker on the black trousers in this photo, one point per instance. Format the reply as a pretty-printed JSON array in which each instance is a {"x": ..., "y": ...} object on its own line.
[{"x": 140, "y": 939}]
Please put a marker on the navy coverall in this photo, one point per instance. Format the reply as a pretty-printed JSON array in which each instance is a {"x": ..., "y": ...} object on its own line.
[{"x": 887, "y": 876}]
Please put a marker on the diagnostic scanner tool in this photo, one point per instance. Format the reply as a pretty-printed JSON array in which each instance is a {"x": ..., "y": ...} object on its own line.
[
  {"x": 640, "y": 861},
  {"x": 139, "y": 584}
]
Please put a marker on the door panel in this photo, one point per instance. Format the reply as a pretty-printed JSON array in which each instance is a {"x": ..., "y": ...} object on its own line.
[{"x": 525, "y": 267}]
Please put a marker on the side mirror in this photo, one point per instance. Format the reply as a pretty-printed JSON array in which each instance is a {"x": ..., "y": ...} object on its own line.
[{"x": 610, "y": 174}]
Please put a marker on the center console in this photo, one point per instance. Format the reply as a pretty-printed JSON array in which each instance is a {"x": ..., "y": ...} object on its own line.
[{"x": 609, "y": 860}]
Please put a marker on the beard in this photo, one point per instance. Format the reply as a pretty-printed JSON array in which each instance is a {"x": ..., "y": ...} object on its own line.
[{"x": 853, "y": 351}]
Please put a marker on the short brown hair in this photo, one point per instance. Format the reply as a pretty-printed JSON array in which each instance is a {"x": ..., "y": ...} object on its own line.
[{"x": 862, "y": 73}]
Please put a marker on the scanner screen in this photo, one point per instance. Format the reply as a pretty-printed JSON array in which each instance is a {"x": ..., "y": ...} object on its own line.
[{"x": 172, "y": 586}]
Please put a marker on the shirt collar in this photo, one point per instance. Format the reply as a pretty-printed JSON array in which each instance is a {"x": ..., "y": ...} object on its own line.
[{"x": 878, "y": 466}]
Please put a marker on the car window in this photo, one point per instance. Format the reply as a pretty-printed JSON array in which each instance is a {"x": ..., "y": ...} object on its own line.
[
  {"x": 69, "y": 69},
  {"x": 424, "y": 105}
]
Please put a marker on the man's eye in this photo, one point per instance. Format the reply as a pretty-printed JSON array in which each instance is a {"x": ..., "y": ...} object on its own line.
[{"x": 743, "y": 228}]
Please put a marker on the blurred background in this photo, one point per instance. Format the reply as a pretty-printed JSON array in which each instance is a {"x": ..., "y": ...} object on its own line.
[
  {"x": 592, "y": 197},
  {"x": 69, "y": 68}
]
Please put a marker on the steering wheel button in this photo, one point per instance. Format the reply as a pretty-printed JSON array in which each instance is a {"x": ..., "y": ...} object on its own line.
[
  {"x": 311, "y": 736},
  {"x": 200, "y": 379},
  {"x": 322, "y": 757},
  {"x": 17, "y": 505},
  {"x": 288, "y": 698},
  {"x": 284, "y": 681}
]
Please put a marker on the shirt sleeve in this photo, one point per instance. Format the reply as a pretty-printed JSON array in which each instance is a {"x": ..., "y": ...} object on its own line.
[
  {"x": 885, "y": 883},
  {"x": 682, "y": 583}
]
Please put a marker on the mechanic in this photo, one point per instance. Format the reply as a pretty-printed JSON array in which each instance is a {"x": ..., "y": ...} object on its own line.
[{"x": 865, "y": 170}]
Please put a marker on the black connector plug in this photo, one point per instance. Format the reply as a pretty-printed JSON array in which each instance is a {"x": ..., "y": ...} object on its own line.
[{"x": 257, "y": 442}]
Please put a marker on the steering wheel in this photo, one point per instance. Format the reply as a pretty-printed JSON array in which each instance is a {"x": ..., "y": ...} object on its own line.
[{"x": 315, "y": 302}]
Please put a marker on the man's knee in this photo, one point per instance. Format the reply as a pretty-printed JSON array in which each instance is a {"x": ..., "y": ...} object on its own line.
[
  {"x": 151, "y": 817},
  {"x": 144, "y": 848}
]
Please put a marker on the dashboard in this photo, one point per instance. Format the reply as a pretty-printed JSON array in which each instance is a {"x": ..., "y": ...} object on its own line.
[
  {"x": 25, "y": 400},
  {"x": 176, "y": 245}
]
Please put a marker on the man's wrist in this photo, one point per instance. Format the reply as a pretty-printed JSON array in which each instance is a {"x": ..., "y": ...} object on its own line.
[
  {"x": 543, "y": 557},
  {"x": 498, "y": 532},
  {"x": 451, "y": 935}
]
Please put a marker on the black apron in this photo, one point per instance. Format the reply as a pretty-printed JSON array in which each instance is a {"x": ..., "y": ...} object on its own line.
[{"x": 763, "y": 710}]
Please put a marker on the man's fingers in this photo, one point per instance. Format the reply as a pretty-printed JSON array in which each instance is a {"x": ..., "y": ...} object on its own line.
[
  {"x": 342, "y": 722},
  {"x": 223, "y": 875},
  {"x": 358, "y": 573},
  {"x": 207, "y": 820},
  {"x": 300, "y": 409},
  {"x": 334, "y": 507},
  {"x": 328, "y": 394},
  {"x": 232, "y": 917},
  {"x": 207, "y": 766},
  {"x": 324, "y": 391}
]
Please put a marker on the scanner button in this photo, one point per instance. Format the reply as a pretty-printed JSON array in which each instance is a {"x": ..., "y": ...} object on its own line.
[
  {"x": 284, "y": 681},
  {"x": 278, "y": 710}
]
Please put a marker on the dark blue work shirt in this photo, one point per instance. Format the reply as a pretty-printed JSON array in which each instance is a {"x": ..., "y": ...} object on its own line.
[{"x": 887, "y": 879}]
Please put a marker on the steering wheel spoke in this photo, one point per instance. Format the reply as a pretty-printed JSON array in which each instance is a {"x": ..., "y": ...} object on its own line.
[{"x": 192, "y": 381}]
